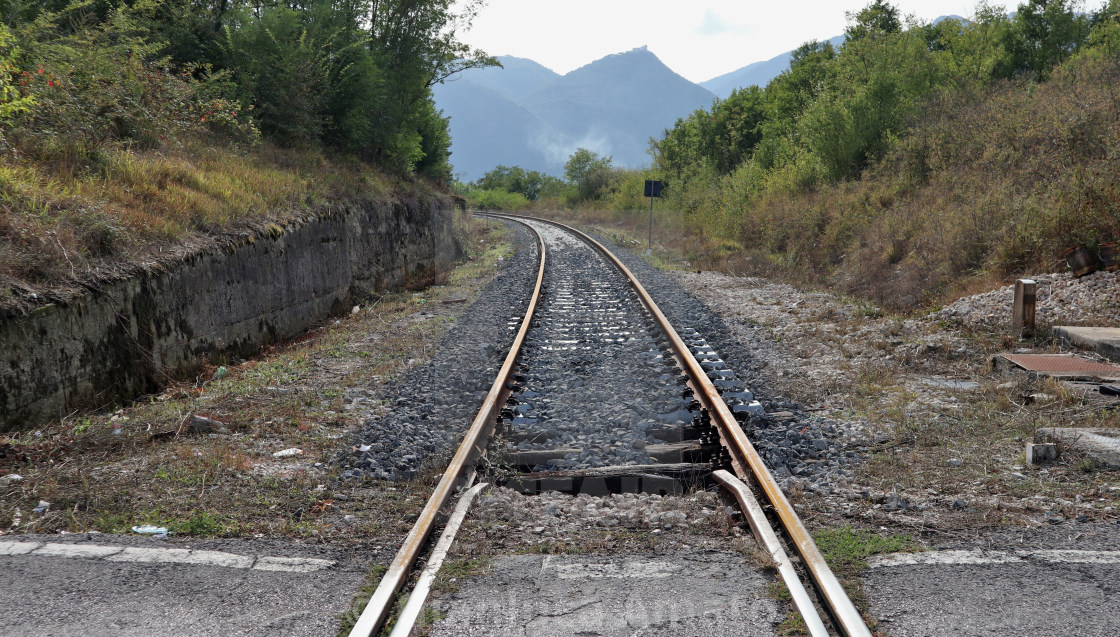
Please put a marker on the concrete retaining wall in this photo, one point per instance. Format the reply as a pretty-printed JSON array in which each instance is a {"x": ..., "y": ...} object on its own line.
[{"x": 129, "y": 337}]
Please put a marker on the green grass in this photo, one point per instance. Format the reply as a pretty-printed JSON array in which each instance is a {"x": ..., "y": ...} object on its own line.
[
  {"x": 453, "y": 572},
  {"x": 361, "y": 600},
  {"x": 846, "y": 549}
]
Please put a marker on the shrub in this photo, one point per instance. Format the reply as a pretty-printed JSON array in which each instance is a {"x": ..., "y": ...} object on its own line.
[{"x": 497, "y": 200}]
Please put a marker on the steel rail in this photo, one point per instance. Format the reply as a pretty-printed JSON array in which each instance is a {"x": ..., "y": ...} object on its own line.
[
  {"x": 745, "y": 457},
  {"x": 419, "y": 595},
  {"x": 768, "y": 540},
  {"x": 474, "y": 442}
]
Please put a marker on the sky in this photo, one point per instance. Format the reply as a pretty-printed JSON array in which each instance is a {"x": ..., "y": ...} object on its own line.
[{"x": 698, "y": 39}]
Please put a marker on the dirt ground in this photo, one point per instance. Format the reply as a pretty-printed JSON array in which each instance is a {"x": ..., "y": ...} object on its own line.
[
  {"x": 261, "y": 461},
  {"x": 945, "y": 430}
]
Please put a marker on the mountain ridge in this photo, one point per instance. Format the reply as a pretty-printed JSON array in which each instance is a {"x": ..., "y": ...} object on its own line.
[{"x": 524, "y": 114}]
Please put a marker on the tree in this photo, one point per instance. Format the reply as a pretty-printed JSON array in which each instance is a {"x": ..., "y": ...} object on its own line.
[
  {"x": 810, "y": 72},
  {"x": 589, "y": 172},
  {"x": 529, "y": 183},
  {"x": 873, "y": 21},
  {"x": 414, "y": 43},
  {"x": 1049, "y": 31}
]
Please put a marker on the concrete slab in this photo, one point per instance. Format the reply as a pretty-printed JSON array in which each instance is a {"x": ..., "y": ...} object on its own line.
[
  {"x": 110, "y": 585},
  {"x": 1063, "y": 366},
  {"x": 1103, "y": 445},
  {"x": 702, "y": 593},
  {"x": 1040, "y": 452},
  {"x": 1103, "y": 340},
  {"x": 1047, "y": 581}
]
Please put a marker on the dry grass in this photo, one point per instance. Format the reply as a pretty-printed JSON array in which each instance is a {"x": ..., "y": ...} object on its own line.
[
  {"x": 139, "y": 465},
  {"x": 61, "y": 228}
]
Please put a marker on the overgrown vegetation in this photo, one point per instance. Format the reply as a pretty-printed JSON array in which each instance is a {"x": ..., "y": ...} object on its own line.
[{"x": 128, "y": 126}]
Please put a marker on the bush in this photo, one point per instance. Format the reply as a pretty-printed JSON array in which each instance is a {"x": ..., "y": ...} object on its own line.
[
  {"x": 497, "y": 200},
  {"x": 97, "y": 87}
]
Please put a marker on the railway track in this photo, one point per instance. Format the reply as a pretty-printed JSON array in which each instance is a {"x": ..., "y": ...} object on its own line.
[{"x": 598, "y": 394}]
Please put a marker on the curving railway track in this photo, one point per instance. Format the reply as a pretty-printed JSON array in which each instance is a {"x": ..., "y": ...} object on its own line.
[{"x": 599, "y": 393}]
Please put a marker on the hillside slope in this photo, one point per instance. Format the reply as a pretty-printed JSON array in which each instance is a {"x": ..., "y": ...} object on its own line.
[
  {"x": 991, "y": 185},
  {"x": 489, "y": 129},
  {"x": 514, "y": 79}
]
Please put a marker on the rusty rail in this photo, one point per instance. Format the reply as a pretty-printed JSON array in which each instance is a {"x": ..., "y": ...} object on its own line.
[{"x": 462, "y": 464}]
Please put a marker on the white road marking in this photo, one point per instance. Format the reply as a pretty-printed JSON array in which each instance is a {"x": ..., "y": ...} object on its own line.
[
  {"x": 17, "y": 548},
  {"x": 77, "y": 550},
  {"x": 166, "y": 556},
  {"x": 290, "y": 564},
  {"x": 182, "y": 556},
  {"x": 983, "y": 557},
  {"x": 594, "y": 570}
]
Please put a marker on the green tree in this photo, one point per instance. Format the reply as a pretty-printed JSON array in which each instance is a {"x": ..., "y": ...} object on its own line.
[
  {"x": 812, "y": 73},
  {"x": 415, "y": 44},
  {"x": 1049, "y": 32},
  {"x": 876, "y": 20},
  {"x": 529, "y": 183},
  {"x": 975, "y": 51},
  {"x": 589, "y": 172}
]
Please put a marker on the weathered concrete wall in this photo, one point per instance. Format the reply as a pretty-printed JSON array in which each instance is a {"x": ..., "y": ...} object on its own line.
[{"x": 130, "y": 337}]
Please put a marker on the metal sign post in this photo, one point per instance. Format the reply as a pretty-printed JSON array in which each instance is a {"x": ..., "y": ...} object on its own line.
[{"x": 653, "y": 189}]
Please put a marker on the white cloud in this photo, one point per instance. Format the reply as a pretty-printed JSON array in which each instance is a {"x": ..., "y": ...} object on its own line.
[
  {"x": 711, "y": 24},
  {"x": 715, "y": 24}
]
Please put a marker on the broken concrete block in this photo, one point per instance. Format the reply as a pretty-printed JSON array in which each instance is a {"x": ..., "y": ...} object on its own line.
[
  {"x": 1040, "y": 452},
  {"x": 1100, "y": 443}
]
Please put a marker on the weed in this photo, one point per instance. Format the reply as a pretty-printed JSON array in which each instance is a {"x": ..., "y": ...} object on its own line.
[
  {"x": 109, "y": 522},
  {"x": 846, "y": 549},
  {"x": 793, "y": 625},
  {"x": 82, "y": 426},
  {"x": 778, "y": 591},
  {"x": 361, "y": 599},
  {"x": 453, "y": 572},
  {"x": 202, "y": 523},
  {"x": 1089, "y": 465}
]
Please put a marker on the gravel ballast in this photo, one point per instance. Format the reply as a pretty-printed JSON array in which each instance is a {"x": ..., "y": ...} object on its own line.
[
  {"x": 800, "y": 449},
  {"x": 433, "y": 405},
  {"x": 597, "y": 375}
]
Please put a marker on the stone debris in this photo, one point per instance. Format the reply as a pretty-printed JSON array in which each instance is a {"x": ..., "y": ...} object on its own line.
[
  {"x": 1062, "y": 299},
  {"x": 203, "y": 425}
]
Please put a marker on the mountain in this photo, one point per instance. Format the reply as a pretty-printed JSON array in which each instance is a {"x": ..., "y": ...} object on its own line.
[
  {"x": 757, "y": 74},
  {"x": 514, "y": 78},
  {"x": 526, "y": 115},
  {"x": 614, "y": 105},
  {"x": 489, "y": 129}
]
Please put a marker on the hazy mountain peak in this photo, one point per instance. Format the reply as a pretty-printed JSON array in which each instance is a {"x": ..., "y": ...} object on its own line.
[{"x": 525, "y": 114}]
